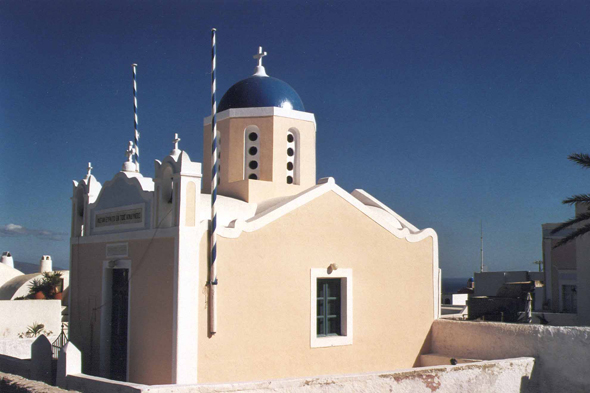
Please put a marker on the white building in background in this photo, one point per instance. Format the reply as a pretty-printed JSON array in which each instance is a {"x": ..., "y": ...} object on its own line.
[
  {"x": 490, "y": 283},
  {"x": 455, "y": 299},
  {"x": 567, "y": 271},
  {"x": 7, "y": 259},
  {"x": 14, "y": 285}
]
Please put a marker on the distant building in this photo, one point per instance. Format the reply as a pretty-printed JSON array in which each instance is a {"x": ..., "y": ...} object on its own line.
[
  {"x": 455, "y": 299},
  {"x": 491, "y": 283},
  {"x": 504, "y": 296},
  {"x": 567, "y": 271}
]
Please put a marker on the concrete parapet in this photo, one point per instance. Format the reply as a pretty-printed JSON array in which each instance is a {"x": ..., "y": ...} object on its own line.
[
  {"x": 499, "y": 376},
  {"x": 90, "y": 384},
  {"x": 15, "y": 366},
  {"x": 68, "y": 363},
  {"x": 41, "y": 360},
  {"x": 562, "y": 353}
]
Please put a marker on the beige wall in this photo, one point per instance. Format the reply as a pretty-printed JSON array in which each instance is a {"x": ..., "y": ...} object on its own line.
[
  {"x": 85, "y": 298},
  {"x": 583, "y": 279},
  {"x": 152, "y": 286},
  {"x": 264, "y": 297},
  {"x": 273, "y": 158},
  {"x": 151, "y": 298},
  {"x": 562, "y": 258}
]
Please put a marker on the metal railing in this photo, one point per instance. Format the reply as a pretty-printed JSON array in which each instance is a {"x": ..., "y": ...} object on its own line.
[{"x": 61, "y": 340}]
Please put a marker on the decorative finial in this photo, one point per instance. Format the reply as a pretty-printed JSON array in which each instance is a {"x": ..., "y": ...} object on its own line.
[
  {"x": 129, "y": 165},
  {"x": 259, "y": 56},
  {"x": 176, "y": 151},
  {"x": 89, "y": 169},
  {"x": 259, "y": 70},
  {"x": 130, "y": 152},
  {"x": 176, "y": 140}
]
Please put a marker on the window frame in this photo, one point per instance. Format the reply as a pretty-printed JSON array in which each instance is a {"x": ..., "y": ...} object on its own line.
[
  {"x": 346, "y": 317},
  {"x": 330, "y": 290}
]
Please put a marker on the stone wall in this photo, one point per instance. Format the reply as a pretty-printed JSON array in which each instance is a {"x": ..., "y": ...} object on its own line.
[
  {"x": 10, "y": 383},
  {"x": 562, "y": 353}
]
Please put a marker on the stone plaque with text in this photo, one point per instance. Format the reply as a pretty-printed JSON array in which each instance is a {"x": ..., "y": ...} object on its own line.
[{"x": 122, "y": 217}]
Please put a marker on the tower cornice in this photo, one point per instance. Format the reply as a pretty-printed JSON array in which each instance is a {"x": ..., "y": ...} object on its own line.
[{"x": 262, "y": 112}]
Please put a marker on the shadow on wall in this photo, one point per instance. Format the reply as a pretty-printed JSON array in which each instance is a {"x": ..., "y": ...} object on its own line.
[
  {"x": 425, "y": 349},
  {"x": 526, "y": 384},
  {"x": 531, "y": 385}
]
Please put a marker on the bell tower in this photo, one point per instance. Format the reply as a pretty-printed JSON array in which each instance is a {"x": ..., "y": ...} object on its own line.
[
  {"x": 83, "y": 194},
  {"x": 266, "y": 140}
]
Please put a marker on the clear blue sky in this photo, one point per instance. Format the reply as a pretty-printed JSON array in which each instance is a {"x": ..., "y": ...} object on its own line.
[{"x": 447, "y": 111}]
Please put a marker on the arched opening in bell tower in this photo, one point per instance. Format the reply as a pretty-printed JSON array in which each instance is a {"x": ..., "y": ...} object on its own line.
[
  {"x": 292, "y": 174},
  {"x": 252, "y": 153}
]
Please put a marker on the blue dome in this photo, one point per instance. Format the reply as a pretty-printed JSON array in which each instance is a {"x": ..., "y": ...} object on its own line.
[{"x": 261, "y": 91}]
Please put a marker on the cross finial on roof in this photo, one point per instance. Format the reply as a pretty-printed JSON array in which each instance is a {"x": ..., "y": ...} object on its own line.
[
  {"x": 176, "y": 140},
  {"x": 129, "y": 165},
  {"x": 175, "y": 151},
  {"x": 89, "y": 169},
  {"x": 259, "y": 70},
  {"x": 259, "y": 56},
  {"x": 130, "y": 151}
]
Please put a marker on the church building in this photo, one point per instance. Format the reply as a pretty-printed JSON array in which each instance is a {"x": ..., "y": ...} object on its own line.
[{"x": 311, "y": 279}]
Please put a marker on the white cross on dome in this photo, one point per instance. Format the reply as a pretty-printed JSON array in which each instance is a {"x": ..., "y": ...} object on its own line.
[
  {"x": 259, "y": 70},
  {"x": 259, "y": 56}
]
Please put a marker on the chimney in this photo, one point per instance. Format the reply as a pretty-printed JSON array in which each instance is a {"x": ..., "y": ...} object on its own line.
[
  {"x": 45, "y": 265},
  {"x": 7, "y": 259}
]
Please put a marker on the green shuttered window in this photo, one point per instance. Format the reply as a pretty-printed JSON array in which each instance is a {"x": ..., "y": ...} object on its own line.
[{"x": 329, "y": 307}]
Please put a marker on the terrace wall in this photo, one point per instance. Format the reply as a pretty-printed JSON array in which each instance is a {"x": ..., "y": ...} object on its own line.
[{"x": 562, "y": 353}]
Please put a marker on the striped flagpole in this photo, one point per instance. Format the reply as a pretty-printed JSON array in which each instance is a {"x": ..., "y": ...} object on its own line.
[
  {"x": 214, "y": 168},
  {"x": 134, "y": 66}
]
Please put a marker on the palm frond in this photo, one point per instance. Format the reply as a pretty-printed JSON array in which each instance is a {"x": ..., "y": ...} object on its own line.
[
  {"x": 580, "y": 198},
  {"x": 581, "y": 231},
  {"x": 571, "y": 221},
  {"x": 582, "y": 159}
]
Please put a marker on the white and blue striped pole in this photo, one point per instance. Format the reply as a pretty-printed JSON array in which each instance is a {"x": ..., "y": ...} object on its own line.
[
  {"x": 134, "y": 66},
  {"x": 214, "y": 168}
]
